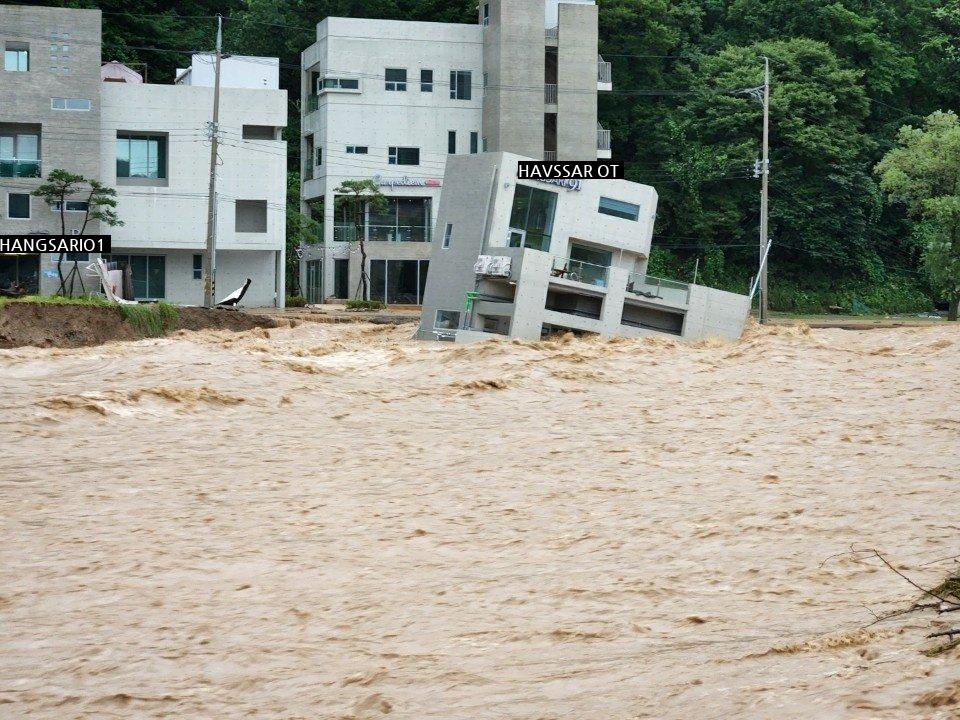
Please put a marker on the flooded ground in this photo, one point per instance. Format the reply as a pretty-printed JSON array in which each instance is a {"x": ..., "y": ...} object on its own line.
[{"x": 336, "y": 522}]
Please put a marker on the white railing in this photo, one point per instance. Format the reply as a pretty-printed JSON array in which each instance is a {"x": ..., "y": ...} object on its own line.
[
  {"x": 603, "y": 138},
  {"x": 604, "y": 71},
  {"x": 549, "y": 154},
  {"x": 550, "y": 94}
]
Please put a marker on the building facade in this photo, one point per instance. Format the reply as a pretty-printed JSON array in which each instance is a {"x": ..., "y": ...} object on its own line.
[
  {"x": 390, "y": 101},
  {"x": 156, "y": 153},
  {"x": 150, "y": 143},
  {"x": 523, "y": 258},
  {"x": 49, "y": 119}
]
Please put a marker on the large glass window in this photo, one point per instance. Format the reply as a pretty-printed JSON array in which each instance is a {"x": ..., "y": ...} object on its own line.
[
  {"x": 404, "y": 220},
  {"x": 19, "y": 154},
  {"x": 339, "y": 84},
  {"x": 531, "y": 219},
  {"x": 619, "y": 208},
  {"x": 149, "y": 274},
  {"x": 142, "y": 156},
  {"x": 404, "y": 156},
  {"x": 396, "y": 80},
  {"x": 460, "y": 84},
  {"x": 16, "y": 57},
  {"x": 398, "y": 282}
]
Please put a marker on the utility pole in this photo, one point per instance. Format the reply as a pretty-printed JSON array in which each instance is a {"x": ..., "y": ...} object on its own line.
[
  {"x": 209, "y": 258},
  {"x": 765, "y": 192}
]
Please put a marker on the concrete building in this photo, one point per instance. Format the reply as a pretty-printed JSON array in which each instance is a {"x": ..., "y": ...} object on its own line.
[
  {"x": 523, "y": 258},
  {"x": 390, "y": 101},
  {"x": 155, "y": 152},
  {"x": 60, "y": 109},
  {"x": 49, "y": 119}
]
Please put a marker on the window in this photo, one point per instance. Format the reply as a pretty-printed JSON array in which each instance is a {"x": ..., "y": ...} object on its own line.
[
  {"x": 77, "y": 206},
  {"x": 319, "y": 156},
  {"x": 403, "y": 220},
  {"x": 447, "y": 235},
  {"x": 142, "y": 156},
  {"x": 18, "y": 206},
  {"x": 398, "y": 282},
  {"x": 484, "y": 144},
  {"x": 16, "y": 57},
  {"x": 485, "y": 18},
  {"x": 460, "y": 84},
  {"x": 404, "y": 156},
  {"x": 452, "y": 142},
  {"x": 198, "y": 267},
  {"x": 396, "y": 80},
  {"x": 339, "y": 84},
  {"x": 426, "y": 81},
  {"x": 149, "y": 274},
  {"x": 259, "y": 132},
  {"x": 447, "y": 320},
  {"x": 531, "y": 218},
  {"x": 19, "y": 154},
  {"x": 486, "y": 77},
  {"x": 619, "y": 209},
  {"x": 76, "y": 257},
  {"x": 69, "y": 104},
  {"x": 357, "y": 149},
  {"x": 251, "y": 216},
  {"x": 474, "y": 142}
]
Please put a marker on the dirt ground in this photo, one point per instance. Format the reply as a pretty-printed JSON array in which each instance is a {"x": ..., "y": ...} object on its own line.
[
  {"x": 67, "y": 326},
  {"x": 333, "y": 521}
]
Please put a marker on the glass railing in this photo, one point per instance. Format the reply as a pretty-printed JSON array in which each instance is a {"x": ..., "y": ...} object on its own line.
[
  {"x": 581, "y": 272},
  {"x": 346, "y": 232},
  {"x": 308, "y": 172},
  {"x": 654, "y": 288},
  {"x": 313, "y": 102},
  {"x": 19, "y": 168}
]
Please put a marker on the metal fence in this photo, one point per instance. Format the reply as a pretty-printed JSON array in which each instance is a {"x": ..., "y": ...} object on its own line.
[
  {"x": 604, "y": 71},
  {"x": 603, "y": 138}
]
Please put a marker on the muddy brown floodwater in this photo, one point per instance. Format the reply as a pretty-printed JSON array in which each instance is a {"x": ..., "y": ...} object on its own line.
[{"x": 337, "y": 522}]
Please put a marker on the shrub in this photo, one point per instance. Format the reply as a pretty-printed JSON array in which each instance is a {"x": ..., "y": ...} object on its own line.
[
  {"x": 365, "y": 305},
  {"x": 296, "y": 301}
]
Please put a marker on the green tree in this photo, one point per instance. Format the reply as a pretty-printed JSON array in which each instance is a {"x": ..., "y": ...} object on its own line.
[
  {"x": 923, "y": 174},
  {"x": 354, "y": 197}
]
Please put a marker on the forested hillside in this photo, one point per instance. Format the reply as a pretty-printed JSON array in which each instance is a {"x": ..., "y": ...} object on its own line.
[{"x": 846, "y": 76}]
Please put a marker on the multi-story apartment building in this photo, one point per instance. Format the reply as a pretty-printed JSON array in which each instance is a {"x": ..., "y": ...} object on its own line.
[
  {"x": 155, "y": 152},
  {"x": 151, "y": 143},
  {"x": 390, "y": 101},
  {"x": 49, "y": 119},
  {"x": 524, "y": 258}
]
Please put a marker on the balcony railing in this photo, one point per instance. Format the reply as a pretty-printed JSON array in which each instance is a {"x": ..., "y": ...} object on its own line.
[
  {"x": 654, "y": 288},
  {"x": 552, "y": 33},
  {"x": 603, "y": 138},
  {"x": 12, "y": 168},
  {"x": 550, "y": 94},
  {"x": 604, "y": 71},
  {"x": 579, "y": 271},
  {"x": 347, "y": 232},
  {"x": 313, "y": 102},
  {"x": 549, "y": 154},
  {"x": 308, "y": 172}
]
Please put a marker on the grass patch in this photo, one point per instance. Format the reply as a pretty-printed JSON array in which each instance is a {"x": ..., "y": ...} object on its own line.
[
  {"x": 296, "y": 301},
  {"x": 86, "y": 300},
  {"x": 153, "y": 320},
  {"x": 949, "y": 587}
]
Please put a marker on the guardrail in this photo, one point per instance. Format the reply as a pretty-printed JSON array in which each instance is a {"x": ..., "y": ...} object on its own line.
[
  {"x": 604, "y": 71},
  {"x": 549, "y": 154},
  {"x": 313, "y": 102},
  {"x": 654, "y": 288},
  {"x": 579, "y": 271},
  {"x": 603, "y": 138}
]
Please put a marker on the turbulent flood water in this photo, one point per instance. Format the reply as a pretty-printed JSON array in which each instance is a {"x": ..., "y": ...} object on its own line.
[{"x": 337, "y": 522}]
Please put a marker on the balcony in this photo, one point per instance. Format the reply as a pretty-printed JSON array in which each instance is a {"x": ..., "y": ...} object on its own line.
[
  {"x": 552, "y": 35},
  {"x": 648, "y": 287},
  {"x": 13, "y": 168},
  {"x": 313, "y": 102},
  {"x": 550, "y": 94},
  {"x": 347, "y": 232},
  {"x": 549, "y": 154},
  {"x": 308, "y": 172},
  {"x": 603, "y": 138},
  {"x": 604, "y": 74},
  {"x": 580, "y": 272}
]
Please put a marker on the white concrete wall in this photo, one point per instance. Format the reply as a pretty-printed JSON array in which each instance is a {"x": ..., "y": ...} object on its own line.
[
  {"x": 236, "y": 71},
  {"x": 551, "y": 8}
]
